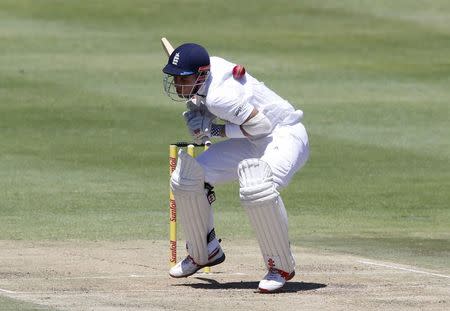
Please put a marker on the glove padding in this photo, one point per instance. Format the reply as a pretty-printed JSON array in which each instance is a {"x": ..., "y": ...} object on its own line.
[{"x": 199, "y": 125}]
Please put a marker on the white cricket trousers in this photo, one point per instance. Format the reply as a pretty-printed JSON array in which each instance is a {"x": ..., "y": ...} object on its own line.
[{"x": 286, "y": 150}]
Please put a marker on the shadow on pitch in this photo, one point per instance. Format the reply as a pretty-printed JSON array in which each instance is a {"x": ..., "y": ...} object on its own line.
[{"x": 289, "y": 287}]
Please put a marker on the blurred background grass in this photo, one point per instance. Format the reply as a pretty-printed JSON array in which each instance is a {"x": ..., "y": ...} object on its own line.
[{"x": 85, "y": 126}]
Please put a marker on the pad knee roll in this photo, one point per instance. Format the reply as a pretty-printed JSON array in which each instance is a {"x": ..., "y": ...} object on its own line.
[
  {"x": 256, "y": 182},
  {"x": 188, "y": 175}
]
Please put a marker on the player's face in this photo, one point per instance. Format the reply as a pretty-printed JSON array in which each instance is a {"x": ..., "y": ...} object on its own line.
[{"x": 185, "y": 84}]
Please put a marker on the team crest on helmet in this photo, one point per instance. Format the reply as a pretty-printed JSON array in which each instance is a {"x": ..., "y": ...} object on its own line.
[{"x": 175, "y": 59}]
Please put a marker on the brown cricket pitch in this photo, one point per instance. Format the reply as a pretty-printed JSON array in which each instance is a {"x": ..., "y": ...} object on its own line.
[{"x": 133, "y": 275}]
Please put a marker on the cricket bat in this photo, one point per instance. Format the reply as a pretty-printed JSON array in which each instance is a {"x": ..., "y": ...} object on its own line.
[{"x": 168, "y": 48}]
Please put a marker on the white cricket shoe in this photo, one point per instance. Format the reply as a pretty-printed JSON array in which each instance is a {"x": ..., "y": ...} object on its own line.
[
  {"x": 188, "y": 266},
  {"x": 274, "y": 280}
]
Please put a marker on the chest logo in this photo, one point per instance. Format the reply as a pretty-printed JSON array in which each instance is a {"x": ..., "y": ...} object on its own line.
[{"x": 238, "y": 111}]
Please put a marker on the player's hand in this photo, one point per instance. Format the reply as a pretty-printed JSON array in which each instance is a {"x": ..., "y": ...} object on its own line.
[
  {"x": 199, "y": 126},
  {"x": 191, "y": 114}
]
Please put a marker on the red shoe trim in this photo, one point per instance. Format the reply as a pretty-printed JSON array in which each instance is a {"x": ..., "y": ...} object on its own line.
[{"x": 284, "y": 274}]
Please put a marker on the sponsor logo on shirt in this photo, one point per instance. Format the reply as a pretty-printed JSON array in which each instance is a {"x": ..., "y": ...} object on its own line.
[{"x": 238, "y": 111}]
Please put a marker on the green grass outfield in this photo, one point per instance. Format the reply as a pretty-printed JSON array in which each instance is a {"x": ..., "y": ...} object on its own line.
[
  {"x": 84, "y": 123},
  {"x": 7, "y": 304}
]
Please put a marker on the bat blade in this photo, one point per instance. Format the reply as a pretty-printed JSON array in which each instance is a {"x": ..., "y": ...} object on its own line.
[{"x": 168, "y": 48}]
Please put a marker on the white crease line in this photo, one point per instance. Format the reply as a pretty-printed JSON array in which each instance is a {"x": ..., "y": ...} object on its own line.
[
  {"x": 7, "y": 291},
  {"x": 102, "y": 277},
  {"x": 90, "y": 292},
  {"x": 136, "y": 276},
  {"x": 106, "y": 277},
  {"x": 404, "y": 269}
]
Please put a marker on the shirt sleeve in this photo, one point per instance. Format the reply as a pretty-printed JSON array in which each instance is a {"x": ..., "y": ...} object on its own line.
[{"x": 230, "y": 104}]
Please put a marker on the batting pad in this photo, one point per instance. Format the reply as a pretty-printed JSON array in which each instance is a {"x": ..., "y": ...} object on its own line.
[
  {"x": 187, "y": 183},
  {"x": 266, "y": 212}
]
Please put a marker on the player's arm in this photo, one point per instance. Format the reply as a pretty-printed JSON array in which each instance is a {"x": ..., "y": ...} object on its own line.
[{"x": 256, "y": 125}]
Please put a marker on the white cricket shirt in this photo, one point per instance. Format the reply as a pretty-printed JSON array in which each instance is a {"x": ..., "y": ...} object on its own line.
[{"x": 233, "y": 100}]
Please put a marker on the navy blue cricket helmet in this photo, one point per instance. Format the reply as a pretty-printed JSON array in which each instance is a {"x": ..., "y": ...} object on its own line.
[{"x": 187, "y": 59}]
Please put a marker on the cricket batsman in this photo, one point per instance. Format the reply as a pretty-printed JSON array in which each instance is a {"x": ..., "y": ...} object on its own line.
[{"x": 266, "y": 145}]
